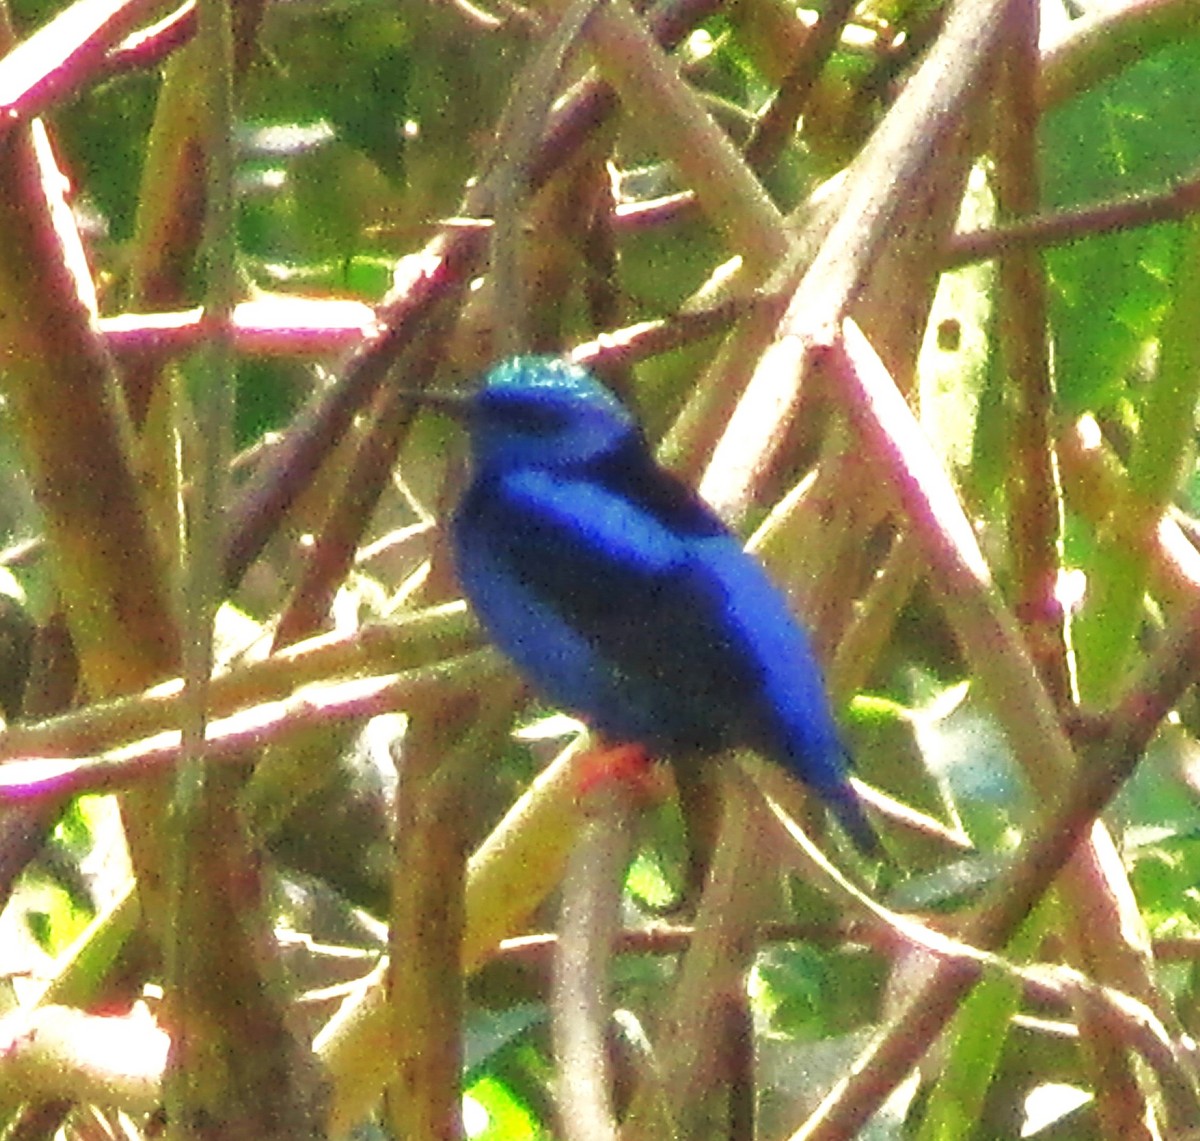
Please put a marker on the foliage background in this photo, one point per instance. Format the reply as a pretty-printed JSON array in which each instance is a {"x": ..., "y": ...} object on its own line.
[{"x": 999, "y": 568}]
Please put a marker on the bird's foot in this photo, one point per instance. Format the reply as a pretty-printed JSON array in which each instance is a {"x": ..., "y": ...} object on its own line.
[{"x": 628, "y": 767}]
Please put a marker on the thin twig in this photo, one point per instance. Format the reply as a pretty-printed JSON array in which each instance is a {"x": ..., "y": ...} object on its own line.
[
  {"x": 238, "y": 737},
  {"x": 888, "y": 172},
  {"x": 422, "y": 281},
  {"x": 1063, "y": 227},
  {"x": 591, "y": 900},
  {"x": 778, "y": 120},
  {"x": 63, "y": 55},
  {"x": 405, "y": 643},
  {"x": 1034, "y": 496}
]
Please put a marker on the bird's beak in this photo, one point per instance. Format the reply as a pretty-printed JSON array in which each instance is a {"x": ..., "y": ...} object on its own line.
[{"x": 456, "y": 405}]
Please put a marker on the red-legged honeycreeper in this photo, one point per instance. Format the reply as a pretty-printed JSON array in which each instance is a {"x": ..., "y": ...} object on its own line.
[{"x": 621, "y": 596}]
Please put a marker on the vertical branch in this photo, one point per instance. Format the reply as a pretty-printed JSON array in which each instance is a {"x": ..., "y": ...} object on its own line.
[
  {"x": 1034, "y": 505},
  {"x": 230, "y": 1035},
  {"x": 425, "y": 939},
  {"x": 429, "y": 911},
  {"x": 679, "y": 1097},
  {"x": 209, "y": 456},
  {"x": 778, "y": 120},
  {"x": 649, "y": 85},
  {"x": 206, "y": 462},
  {"x": 520, "y": 132},
  {"x": 589, "y": 921},
  {"x": 1108, "y": 625},
  {"x": 66, "y": 411},
  {"x": 519, "y": 865}
]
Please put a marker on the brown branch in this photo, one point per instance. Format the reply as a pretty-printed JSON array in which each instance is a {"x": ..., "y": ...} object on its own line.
[
  {"x": 1066, "y": 226},
  {"x": 777, "y": 122},
  {"x": 332, "y": 554},
  {"x": 62, "y": 56},
  {"x": 1033, "y": 493},
  {"x": 276, "y": 326},
  {"x": 423, "y": 281},
  {"x": 890, "y": 171},
  {"x": 417, "y": 640},
  {"x": 237, "y": 739}
]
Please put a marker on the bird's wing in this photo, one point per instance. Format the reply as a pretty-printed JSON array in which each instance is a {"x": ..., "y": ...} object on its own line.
[
  {"x": 608, "y": 564},
  {"x": 595, "y": 567},
  {"x": 625, "y": 599}
]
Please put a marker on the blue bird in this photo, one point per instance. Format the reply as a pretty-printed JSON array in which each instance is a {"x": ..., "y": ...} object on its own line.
[{"x": 621, "y": 596}]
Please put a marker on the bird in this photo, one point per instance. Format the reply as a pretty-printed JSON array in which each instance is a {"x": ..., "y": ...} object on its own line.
[{"x": 621, "y": 596}]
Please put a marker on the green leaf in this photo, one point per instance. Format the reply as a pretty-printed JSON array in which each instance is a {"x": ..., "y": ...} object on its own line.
[{"x": 1109, "y": 293}]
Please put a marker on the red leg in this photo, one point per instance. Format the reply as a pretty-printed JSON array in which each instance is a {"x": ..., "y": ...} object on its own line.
[{"x": 628, "y": 765}]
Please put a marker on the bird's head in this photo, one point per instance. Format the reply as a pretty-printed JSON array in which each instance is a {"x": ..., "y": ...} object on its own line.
[{"x": 536, "y": 411}]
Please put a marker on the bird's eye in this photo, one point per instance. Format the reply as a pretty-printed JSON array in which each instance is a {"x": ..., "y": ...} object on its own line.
[{"x": 534, "y": 419}]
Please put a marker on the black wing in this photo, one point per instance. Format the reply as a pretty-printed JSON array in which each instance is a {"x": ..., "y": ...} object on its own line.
[{"x": 595, "y": 583}]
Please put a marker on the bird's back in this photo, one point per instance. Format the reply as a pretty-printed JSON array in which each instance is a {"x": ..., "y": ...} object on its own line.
[
  {"x": 603, "y": 607},
  {"x": 624, "y": 599}
]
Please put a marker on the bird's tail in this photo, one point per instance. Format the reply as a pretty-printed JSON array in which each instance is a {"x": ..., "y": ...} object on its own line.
[
  {"x": 848, "y": 808},
  {"x": 830, "y": 780}
]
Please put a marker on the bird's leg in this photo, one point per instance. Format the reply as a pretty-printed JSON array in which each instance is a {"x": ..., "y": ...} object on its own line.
[{"x": 626, "y": 765}]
